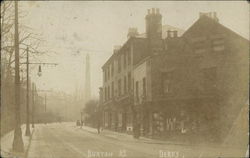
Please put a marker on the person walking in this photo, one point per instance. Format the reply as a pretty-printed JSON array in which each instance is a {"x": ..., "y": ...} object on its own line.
[{"x": 98, "y": 125}]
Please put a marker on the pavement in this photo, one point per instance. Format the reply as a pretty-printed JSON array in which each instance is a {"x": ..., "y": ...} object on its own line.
[
  {"x": 7, "y": 140},
  {"x": 66, "y": 140}
]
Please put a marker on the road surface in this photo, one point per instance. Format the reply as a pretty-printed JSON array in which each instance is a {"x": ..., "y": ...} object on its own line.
[{"x": 65, "y": 140}]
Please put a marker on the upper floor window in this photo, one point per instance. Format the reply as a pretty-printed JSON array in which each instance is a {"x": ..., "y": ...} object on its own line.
[
  {"x": 144, "y": 86},
  {"x": 105, "y": 75},
  {"x": 129, "y": 57},
  {"x": 119, "y": 87},
  {"x": 218, "y": 44},
  {"x": 199, "y": 47},
  {"x": 119, "y": 64},
  {"x": 125, "y": 60},
  {"x": 129, "y": 81},
  {"x": 108, "y": 70},
  {"x": 108, "y": 93},
  {"x": 105, "y": 94},
  {"x": 112, "y": 69},
  {"x": 199, "y": 44},
  {"x": 125, "y": 84},
  {"x": 137, "y": 91},
  {"x": 112, "y": 89}
]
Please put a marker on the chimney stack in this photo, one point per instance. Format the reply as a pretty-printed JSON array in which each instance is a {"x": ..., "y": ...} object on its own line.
[
  {"x": 154, "y": 24},
  {"x": 132, "y": 32},
  {"x": 116, "y": 48},
  {"x": 153, "y": 10},
  {"x": 212, "y": 15}
]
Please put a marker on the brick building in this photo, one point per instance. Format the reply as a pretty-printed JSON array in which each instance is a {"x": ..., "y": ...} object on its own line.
[{"x": 193, "y": 84}]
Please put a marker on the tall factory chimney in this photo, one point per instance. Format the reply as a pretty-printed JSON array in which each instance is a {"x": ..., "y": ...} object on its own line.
[{"x": 87, "y": 89}]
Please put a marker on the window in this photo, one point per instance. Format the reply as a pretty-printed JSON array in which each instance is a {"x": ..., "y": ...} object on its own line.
[
  {"x": 112, "y": 89},
  {"x": 108, "y": 92},
  {"x": 144, "y": 86},
  {"x": 105, "y": 75},
  {"x": 129, "y": 57},
  {"x": 108, "y": 73},
  {"x": 209, "y": 78},
  {"x": 129, "y": 81},
  {"x": 119, "y": 87},
  {"x": 105, "y": 95},
  {"x": 199, "y": 47},
  {"x": 125, "y": 60},
  {"x": 119, "y": 64},
  {"x": 137, "y": 90},
  {"x": 218, "y": 44},
  {"x": 166, "y": 85},
  {"x": 112, "y": 69},
  {"x": 125, "y": 84},
  {"x": 167, "y": 77}
]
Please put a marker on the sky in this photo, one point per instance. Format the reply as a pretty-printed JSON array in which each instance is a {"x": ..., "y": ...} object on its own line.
[{"x": 74, "y": 28}]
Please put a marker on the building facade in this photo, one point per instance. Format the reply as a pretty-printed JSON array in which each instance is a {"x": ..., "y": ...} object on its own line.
[{"x": 194, "y": 84}]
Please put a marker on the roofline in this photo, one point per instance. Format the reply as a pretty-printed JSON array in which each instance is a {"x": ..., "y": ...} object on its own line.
[
  {"x": 128, "y": 40},
  {"x": 228, "y": 29}
]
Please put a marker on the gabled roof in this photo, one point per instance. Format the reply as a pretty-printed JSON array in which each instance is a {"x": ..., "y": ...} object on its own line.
[{"x": 206, "y": 25}]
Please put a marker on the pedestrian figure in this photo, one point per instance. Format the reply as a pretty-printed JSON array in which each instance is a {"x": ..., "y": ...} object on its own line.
[
  {"x": 137, "y": 131},
  {"x": 98, "y": 126},
  {"x": 81, "y": 123}
]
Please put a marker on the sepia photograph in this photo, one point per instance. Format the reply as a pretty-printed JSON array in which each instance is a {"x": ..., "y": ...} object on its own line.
[{"x": 124, "y": 79}]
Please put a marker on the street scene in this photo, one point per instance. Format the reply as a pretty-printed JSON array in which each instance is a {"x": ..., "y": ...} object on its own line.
[{"x": 131, "y": 79}]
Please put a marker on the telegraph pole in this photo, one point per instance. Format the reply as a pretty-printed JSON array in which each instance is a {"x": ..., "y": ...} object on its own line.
[
  {"x": 27, "y": 133},
  {"x": 18, "y": 140}
]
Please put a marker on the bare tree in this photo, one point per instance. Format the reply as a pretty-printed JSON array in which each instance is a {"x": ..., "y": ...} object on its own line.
[{"x": 28, "y": 38}]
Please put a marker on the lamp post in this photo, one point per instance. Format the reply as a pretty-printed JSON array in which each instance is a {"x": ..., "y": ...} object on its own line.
[
  {"x": 27, "y": 133},
  {"x": 33, "y": 104},
  {"x": 18, "y": 141}
]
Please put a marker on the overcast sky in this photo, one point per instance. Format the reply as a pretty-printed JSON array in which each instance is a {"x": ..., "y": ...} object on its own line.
[{"x": 74, "y": 28}]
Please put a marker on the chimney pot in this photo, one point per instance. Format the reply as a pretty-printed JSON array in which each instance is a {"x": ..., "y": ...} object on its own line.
[
  {"x": 153, "y": 10},
  {"x": 157, "y": 11}
]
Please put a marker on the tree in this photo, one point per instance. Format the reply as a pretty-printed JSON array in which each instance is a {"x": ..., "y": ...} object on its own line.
[
  {"x": 28, "y": 38},
  {"x": 91, "y": 112}
]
